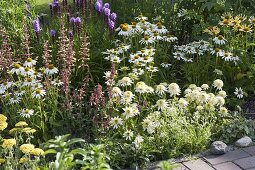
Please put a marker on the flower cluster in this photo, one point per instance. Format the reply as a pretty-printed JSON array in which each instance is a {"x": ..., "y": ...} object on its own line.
[
  {"x": 109, "y": 17},
  {"x": 13, "y": 147}
]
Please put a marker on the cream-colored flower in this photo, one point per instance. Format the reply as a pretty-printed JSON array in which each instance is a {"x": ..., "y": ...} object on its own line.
[
  {"x": 26, "y": 148},
  {"x": 162, "y": 104},
  {"x": 8, "y": 143},
  {"x": 218, "y": 84},
  {"x": 174, "y": 89}
]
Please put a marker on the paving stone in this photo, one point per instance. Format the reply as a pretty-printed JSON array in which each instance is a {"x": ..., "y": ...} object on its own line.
[
  {"x": 229, "y": 156},
  {"x": 250, "y": 150},
  {"x": 251, "y": 169},
  {"x": 197, "y": 164},
  {"x": 227, "y": 166},
  {"x": 246, "y": 163},
  {"x": 180, "y": 167}
]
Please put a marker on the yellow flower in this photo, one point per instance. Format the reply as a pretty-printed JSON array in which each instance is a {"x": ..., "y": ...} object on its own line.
[
  {"x": 26, "y": 148},
  {"x": 22, "y": 160},
  {"x": 14, "y": 130},
  {"x": 37, "y": 152},
  {"x": 3, "y": 118},
  {"x": 9, "y": 143},
  {"x": 3, "y": 125},
  {"x": 21, "y": 124},
  {"x": 28, "y": 130},
  {"x": 2, "y": 161}
]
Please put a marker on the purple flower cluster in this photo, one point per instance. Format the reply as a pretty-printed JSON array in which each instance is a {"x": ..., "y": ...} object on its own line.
[
  {"x": 76, "y": 22},
  {"x": 36, "y": 26},
  {"x": 110, "y": 18},
  {"x": 54, "y": 7}
]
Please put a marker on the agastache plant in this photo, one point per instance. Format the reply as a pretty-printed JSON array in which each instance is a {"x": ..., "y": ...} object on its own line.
[{"x": 36, "y": 26}]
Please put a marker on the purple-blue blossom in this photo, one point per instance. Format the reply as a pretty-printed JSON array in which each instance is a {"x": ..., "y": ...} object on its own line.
[
  {"x": 113, "y": 16},
  {"x": 36, "y": 25}
]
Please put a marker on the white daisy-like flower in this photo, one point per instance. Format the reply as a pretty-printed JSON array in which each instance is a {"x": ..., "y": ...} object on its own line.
[
  {"x": 28, "y": 71},
  {"x": 170, "y": 38},
  {"x": 146, "y": 123},
  {"x": 56, "y": 82},
  {"x": 138, "y": 141},
  {"x": 220, "y": 40},
  {"x": 115, "y": 59},
  {"x": 19, "y": 93},
  {"x": 178, "y": 55},
  {"x": 205, "y": 86},
  {"x": 152, "y": 69},
  {"x": 116, "y": 92},
  {"x": 116, "y": 122},
  {"x": 140, "y": 87},
  {"x": 222, "y": 93},
  {"x": 165, "y": 65},
  {"x": 218, "y": 84},
  {"x": 183, "y": 102},
  {"x": 174, "y": 89},
  {"x": 14, "y": 100},
  {"x": 239, "y": 92},
  {"x": 162, "y": 104},
  {"x": 2, "y": 89},
  {"x": 38, "y": 93},
  {"x": 161, "y": 89},
  {"x": 156, "y": 36},
  {"x": 29, "y": 62},
  {"x": 107, "y": 74},
  {"x": 138, "y": 71},
  {"x": 219, "y": 52},
  {"x": 227, "y": 56},
  {"x": 147, "y": 40},
  {"x": 51, "y": 70},
  {"x": 18, "y": 69},
  {"x": 223, "y": 110},
  {"x": 27, "y": 113},
  {"x": 127, "y": 97},
  {"x": 125, "y": 81},
  {"x": 128, "y": 112},
  {"x": 159, "y": 28},
  {"x": 29, "y": 82},
  {"x": 220, "y": 100},
  {"x": 125, "y": 30},
  {"x": 128, "y": 134}
]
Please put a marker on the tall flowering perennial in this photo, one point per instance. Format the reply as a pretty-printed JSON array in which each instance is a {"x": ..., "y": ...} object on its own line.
[
  {"x": 109, "y": 18},
  {"x": 36, "y": 26}
]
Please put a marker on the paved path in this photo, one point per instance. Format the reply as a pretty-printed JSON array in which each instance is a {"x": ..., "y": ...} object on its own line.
[{"x": 241, "y": 159}]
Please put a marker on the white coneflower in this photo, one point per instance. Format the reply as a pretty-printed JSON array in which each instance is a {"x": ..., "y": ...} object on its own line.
[
  {"x": 125, "y": 30},
  {"x": 137, "y": 142},
  {"x": 161, "y": 89},
  {"x": 19, "y": 93},
  {"x": 203, "y": 97},
  {"x": 220, "y": 40},
  {"x": 2, "y": 89},
  {"x": 28, "y": 72},
  {"x": 205, "y": 86},
  {"x": 223, "y": 110},
  {"x": 146, "y": 122},
  {"x": 29, "y": 62},
  {"x": 219, "y": 52},
  {"x": 162, "y": 104},
  {"x": 38, "y": 93},
  {"x": 218, "y": 84},
  {"x": 29, "y": 82},
  {"x": 165, "y": 65},
  {"x": 239, "y": 92},
  {"x": 152, "y": 69},
  {"x": 227, "y": 56},
  {"x": 170, "y": 38},
  {"x": 116, "y": 92},
  {"x": 51, "y": 70},
  {"x": 127, "y": 97},
  {"x": 115, "y": 59},
  {"x": 128, "y": 112},
  {"x": 159, "y": 28},
  {"x": 14, "y": 100},
  {"x": 138, "y": 71},
  {"x": 125, "y": 81},
  {"x": 133, "y": 76},
  {"x": 156, "y": 36},
  {"x": 116, "y": 122},
  {"x": 174, "y": 89},
  {"x": 128, "y": 134},
  {"x": 223, "y": 94},
  {"x": 27, "y": 113},
  {"x": 147, "y": 40},
  {"x": 56, "y": 82},
  {"x": 178, "y": 55},
  {"x": 220, "y": 100},
  {"x": 18, "y": 69},
  {"x": 183, "y": 102},
  {"x": 107, "y": 74},
  {"x": 140, "y": 87}
]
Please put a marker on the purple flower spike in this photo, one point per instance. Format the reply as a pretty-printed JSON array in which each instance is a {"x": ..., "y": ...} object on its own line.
[
  {"x": 52, "y": 33},
  {"x": 70, "y": 34},
  {"x": 107, "y": 5},
  {"x": 113, "y": 16},
  {"x": 107, "y": 12},
  {"x": 77, "y": 20},
  {"x": 36, "y": 25},
  {"x": 111, "y": 25},
  {"x": 98, "y": 7},
  {"x": 72, "y": 20},
  {"x": 100, "y": 1}
]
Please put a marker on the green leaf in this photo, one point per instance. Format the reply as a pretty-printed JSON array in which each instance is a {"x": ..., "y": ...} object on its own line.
[
  {"x": 75, "y": 140},
  {"x": 50, "y": 151}
]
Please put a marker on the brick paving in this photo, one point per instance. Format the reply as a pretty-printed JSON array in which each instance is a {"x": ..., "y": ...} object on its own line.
[{"x": 241, "y": 159}]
